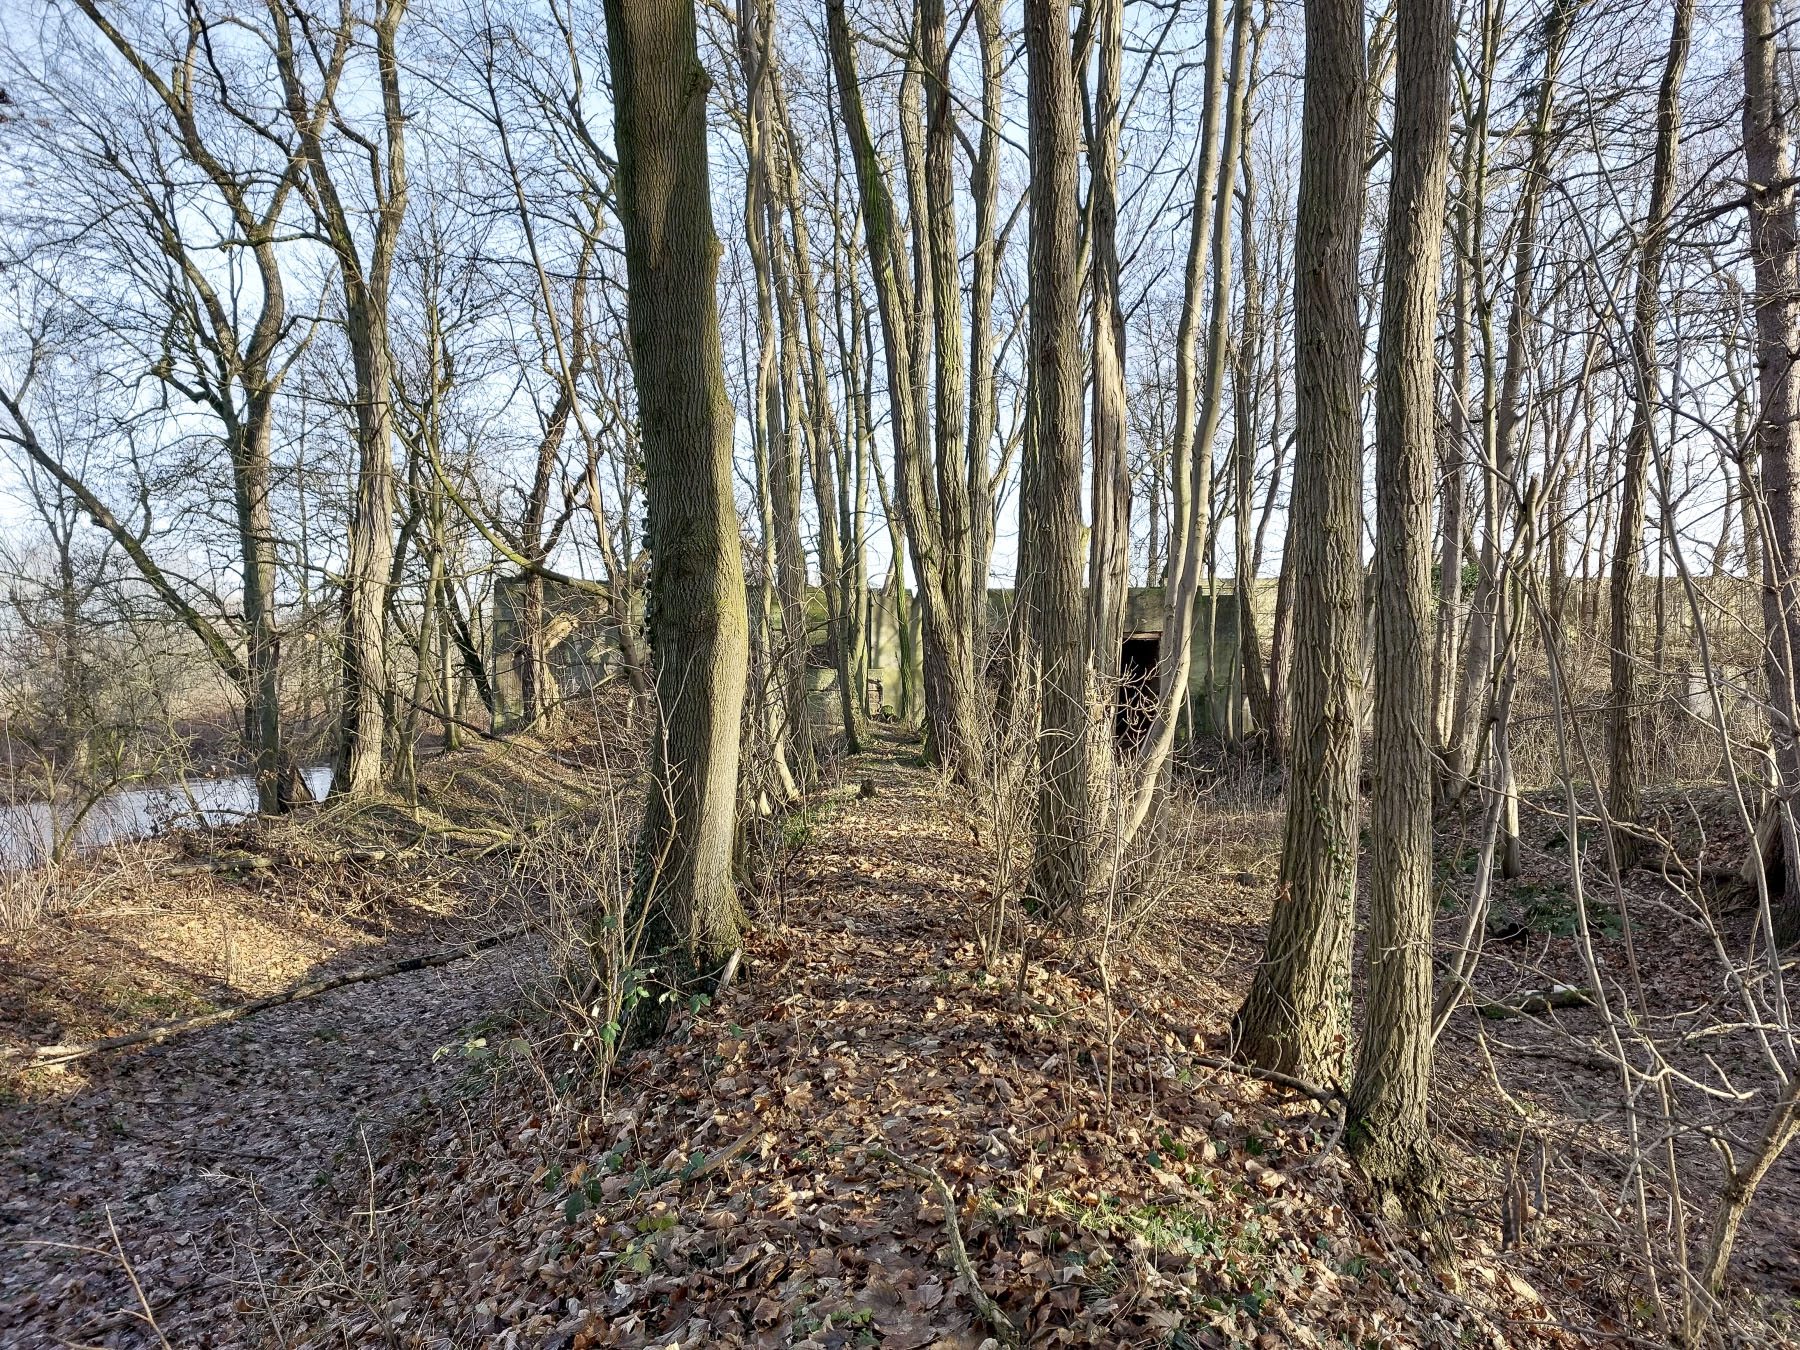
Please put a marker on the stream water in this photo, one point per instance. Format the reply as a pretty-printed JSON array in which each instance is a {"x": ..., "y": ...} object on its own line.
[{"x": 29, "y": 832}]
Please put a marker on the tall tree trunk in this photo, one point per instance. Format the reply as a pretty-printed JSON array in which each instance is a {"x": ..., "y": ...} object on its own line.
[
  {"x": 984, "y": 266},
  {"x": 256, "y": 538},
  {"x": 362, "y": 714},
  {"x": 951, "y": 452},
  {"x": 1453, "y": 502},
  {"x": 769, "y": 709},
  {"x": 1775, "y": 257},
  {"x": 777, "y": 416},
  {"x": 1389, "y": 1134},
  {"x": 1191, "y": 550},
  {"x": 698, "y": 626},
  {"x": 1623, "y": 720},
  {"x": 1109, "y": 540},
  {"x": 1296, "y": 1017},
  {"x": 839, "y": 526},
  {"x": 1246, "y": 394},
  {"x": 790, "y": 559},
  {"x": 1502, "y": 424},
  {"x": 1050, "y": 494},
  {"x": 955, "y": 737}
]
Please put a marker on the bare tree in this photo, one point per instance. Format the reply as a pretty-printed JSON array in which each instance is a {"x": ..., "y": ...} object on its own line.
[
  {"x": 1624, "y": 714},
  {"x": 698, "y": 629},
  {"x": 365, "y": 279},
  {"x": 1387, "y": 1107},
  {"x": 1296, "y": 1017},
  {"x": 1050, "y": 500}
]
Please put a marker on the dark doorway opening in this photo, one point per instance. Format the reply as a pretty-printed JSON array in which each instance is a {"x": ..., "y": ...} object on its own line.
[{"x": 1136, "y": 704}]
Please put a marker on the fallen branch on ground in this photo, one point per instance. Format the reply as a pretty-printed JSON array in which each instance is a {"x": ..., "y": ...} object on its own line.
[
  {"x": 1286, "y": 1080},
  {"x": 44, "y": 1056},
  {"x": 959, "y": 1255}
]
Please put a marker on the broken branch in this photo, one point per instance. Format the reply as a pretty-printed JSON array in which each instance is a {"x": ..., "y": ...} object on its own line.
[{"x": 996, "y": 1319}]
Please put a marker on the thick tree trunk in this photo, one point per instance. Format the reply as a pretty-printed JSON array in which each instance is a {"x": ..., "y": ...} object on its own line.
[
  {"x": 1775, "y": 258},
  {"x": 1389, "y": 1134},
  {"x": 1623, "y": 720},
  {"x": 1296, "y": 1018},
  {"x": 362, "y": 715},
  {"x": 1050, "y": 494},
  {"x": 698, "y": 627}
]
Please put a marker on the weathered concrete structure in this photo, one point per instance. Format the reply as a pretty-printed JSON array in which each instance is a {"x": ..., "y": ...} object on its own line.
[{"x": 583, "y": 651}]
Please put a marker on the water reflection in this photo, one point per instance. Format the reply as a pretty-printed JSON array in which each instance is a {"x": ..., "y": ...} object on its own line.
[{"x": 29, "y": 832}]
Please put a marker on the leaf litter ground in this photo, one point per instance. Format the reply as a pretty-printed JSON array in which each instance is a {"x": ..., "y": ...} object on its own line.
[
  {"x": 392, "y": 1165},
  {"x": 725, "y": 1194}
]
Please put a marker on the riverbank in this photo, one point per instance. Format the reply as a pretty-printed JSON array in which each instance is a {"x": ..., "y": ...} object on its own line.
[
  {"x": 190, "y": 921},
  {"x": 31, "y": 831}
]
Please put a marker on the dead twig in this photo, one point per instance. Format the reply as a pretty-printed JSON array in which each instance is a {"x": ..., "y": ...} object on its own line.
[
  {"x": 130, "y": 1274},
  {"x": 990, "y": 1311},
  {"x": 1286, "y": 1080}
]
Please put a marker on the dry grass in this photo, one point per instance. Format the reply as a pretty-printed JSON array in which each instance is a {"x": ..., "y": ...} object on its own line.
[{"x": 196, "y": 920}]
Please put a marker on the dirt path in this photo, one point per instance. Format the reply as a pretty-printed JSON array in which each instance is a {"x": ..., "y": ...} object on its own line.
[{"x": 201, "y": 1150}]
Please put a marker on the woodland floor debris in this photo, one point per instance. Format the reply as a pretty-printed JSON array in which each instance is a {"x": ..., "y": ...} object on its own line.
[
  {"x": 324, "y": 1175},
  {"x": 201, "y": 1151},
  {"x": 731, "y": 1191}
]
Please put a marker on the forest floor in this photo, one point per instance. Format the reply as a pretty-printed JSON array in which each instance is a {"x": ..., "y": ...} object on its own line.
[
  {"x": 429, "y": 1160},
  {"x": 181, "y": 1166}
]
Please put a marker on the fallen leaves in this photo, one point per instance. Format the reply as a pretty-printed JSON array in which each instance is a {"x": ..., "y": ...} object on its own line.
[{"x": 737, "y": 1202}]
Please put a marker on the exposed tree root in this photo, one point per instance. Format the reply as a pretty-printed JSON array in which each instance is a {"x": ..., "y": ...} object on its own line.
[{"x": 1286, "y": 1080}]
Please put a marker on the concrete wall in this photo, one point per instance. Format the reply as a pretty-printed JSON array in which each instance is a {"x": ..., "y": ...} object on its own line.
[{"x": 583, "y": 651}]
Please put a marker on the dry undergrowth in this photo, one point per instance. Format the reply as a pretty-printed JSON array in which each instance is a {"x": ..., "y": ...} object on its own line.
[
  {"x": 747, "y": 1181},
  {"x": 196, "y": 920},
  {"x": 732, "y": 1188}
]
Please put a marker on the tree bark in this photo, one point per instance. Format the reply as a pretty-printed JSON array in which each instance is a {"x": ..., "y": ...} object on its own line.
[
  {"x": 1050, "y": 492},
  {"x": 984, "y": 266},
  {"x": 362, "y": 712},
  {"x": 1246, "y": 399},
  {"x": 1623, "y": 726},
  {"x": 777, "y": 416},
  {"x": 839, "y": 523},
  {"x": 1191, "y": 549},
  {"x": 954, "y": 737},
  {"x": 1453, "y": 501},
  {"x": 950, "y": 445},
  {"x": 1775, "y": 259},
  {"x": 1296, "y": 1018},
  {"x": 1109, "y": 540},
  {"x": 1389, "y": 1135},
  {"x": 698, "y": 625}
]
